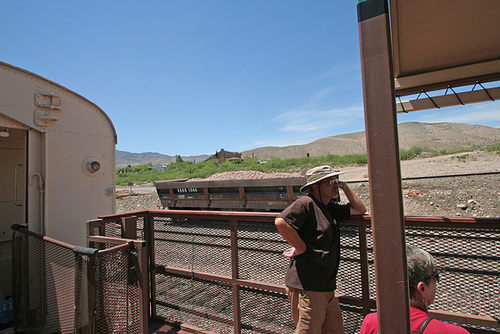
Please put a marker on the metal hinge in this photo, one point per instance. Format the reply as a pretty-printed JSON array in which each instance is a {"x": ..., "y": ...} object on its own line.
[
  {"x": 50, "y": 101},
  {"x": 42, "y": 118}
]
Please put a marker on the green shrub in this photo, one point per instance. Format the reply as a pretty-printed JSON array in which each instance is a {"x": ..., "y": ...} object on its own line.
[{"x": 186, "y": 169}]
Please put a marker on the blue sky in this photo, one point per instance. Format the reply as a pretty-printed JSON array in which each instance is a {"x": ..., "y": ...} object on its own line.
[{"x": 190, "y": 77}]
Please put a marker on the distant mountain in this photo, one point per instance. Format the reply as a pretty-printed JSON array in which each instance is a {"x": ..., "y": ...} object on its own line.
[
  {"x": 123, "y": 158},
  {"x": 437, "y": 136}
]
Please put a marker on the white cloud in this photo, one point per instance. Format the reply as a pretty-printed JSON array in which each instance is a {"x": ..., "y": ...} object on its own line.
[
  {"x": 314, "y": 120},
  {"x": 343, "y": 70},
  {"x": 305, "y": 125}
]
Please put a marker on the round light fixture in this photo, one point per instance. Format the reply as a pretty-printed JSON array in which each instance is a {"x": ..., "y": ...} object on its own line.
[{"x": 91, "y": 166}]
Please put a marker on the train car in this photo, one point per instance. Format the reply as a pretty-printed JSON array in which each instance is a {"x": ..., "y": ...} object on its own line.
[
  {"x": 57, "y": 161},
  {"x": 241, "y": 195}
]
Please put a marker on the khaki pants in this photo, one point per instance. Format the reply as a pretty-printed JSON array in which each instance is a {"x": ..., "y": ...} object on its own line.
[{"x": 315, "y": 312}]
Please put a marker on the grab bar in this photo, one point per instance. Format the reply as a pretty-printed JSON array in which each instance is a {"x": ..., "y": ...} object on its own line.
[{"x": 16, "y": 203}]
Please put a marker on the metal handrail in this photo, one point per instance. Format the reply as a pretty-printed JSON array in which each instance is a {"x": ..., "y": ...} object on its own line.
[{"x": 361, "y": 222}]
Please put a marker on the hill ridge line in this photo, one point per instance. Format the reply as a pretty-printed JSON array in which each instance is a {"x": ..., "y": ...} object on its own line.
[{"x": 435, "y": 136}]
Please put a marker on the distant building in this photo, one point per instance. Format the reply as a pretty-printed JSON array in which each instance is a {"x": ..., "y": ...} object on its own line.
[
  {"x": 223, "y": 156},
  {"x": 160, "y": 168}
]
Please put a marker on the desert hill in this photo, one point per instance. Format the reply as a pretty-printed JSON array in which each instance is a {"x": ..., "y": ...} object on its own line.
[
  {"x": 436, "y": 136},
  {"x": 123, "y": 158}
]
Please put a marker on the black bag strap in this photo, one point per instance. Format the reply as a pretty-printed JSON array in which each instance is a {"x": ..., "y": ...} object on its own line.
[{"x": 424, "y": 324}]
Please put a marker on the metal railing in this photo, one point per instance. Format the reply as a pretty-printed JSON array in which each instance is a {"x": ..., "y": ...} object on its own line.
[
  {"x": 61, "y": 288},
  {"x": 223, "y": 272}
]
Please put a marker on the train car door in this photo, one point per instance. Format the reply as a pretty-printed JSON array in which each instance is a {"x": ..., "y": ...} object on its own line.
[{"x": 13, "y": 143}]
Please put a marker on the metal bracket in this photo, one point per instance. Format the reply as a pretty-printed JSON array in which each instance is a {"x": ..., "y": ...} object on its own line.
[
  {"x": 42, "y": 118},
  {"x": 422, "y": 91},
  {"x": 488, "y": 93},
  {"x": 401, "y": 103},
  {"x": 456, "y": 95},
  {"x": 50, "y": 101}
]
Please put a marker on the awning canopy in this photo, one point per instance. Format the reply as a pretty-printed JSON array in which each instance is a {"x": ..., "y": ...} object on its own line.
[{"x": 443, "y": 45}]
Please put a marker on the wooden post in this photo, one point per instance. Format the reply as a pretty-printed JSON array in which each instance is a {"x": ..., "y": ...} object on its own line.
[{"x": 384, "y": 168}]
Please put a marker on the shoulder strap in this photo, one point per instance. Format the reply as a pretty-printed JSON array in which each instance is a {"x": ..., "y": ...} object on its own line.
[{"x": 424, "y": 324}]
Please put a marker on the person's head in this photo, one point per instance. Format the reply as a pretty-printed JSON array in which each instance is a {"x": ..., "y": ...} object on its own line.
[
  {"x": 422, "y": 277},
  {"x": 322, "y": 183}
]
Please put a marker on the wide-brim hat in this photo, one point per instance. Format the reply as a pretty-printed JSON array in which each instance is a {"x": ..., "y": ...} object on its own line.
[{"x": 317, "y": 174}]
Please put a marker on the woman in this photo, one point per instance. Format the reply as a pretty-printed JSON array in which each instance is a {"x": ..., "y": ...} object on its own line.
[{"x": 422, "y": 278}]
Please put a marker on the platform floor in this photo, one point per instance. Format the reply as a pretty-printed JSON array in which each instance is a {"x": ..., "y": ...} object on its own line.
[{"x": 155, "y": 327}]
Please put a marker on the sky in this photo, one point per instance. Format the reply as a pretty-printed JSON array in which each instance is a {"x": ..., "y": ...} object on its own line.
[{"x": 191, "y": 77}]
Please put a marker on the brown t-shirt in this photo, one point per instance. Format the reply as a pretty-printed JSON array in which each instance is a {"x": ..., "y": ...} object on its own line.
[{"x": 317, "y": 225}]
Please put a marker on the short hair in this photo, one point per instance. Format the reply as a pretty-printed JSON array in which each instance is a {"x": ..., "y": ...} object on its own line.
[{"x": 420, "y": 265}]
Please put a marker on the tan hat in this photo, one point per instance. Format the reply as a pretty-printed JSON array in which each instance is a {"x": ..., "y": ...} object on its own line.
[{"x": 317, "y": 174}]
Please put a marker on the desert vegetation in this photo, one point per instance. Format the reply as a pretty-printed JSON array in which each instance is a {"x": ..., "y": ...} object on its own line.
[{"x": 187, "y": 170}]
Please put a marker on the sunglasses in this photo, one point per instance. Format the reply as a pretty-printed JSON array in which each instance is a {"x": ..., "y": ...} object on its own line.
[
  {"x": 435, "y": 276},
  {"x": 331, "y": 182}
]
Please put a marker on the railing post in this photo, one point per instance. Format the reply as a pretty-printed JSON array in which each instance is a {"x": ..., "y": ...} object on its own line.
[
  {"x": 91, "y": 293},
  {"x": 235, "y": 276},
  {"x": 149, "y": 230},
  {"x": 91, "y": 226},
  {"x": 143, "y": 285},
  {"x": 129, "y": 227},
  {"x": 365, "y": 273}
]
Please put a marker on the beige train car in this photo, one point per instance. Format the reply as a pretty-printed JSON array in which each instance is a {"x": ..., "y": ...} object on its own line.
[{"x": 57, "y": 161}]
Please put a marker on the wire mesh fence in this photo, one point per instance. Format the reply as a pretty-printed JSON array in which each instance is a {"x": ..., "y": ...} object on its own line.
[
  {"x": 61, "y": 288},
  {"x": 206, "y": 247},
  {"x": 116, "y": 303},
  {"x": 44, "y": 273},
  {"x": 223, "y": 273},
  {"x": 468, "y": 261},
  {"x": 200, "y": 251}
]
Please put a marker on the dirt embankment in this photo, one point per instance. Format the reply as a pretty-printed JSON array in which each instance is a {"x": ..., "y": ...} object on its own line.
[{"x": 463, "y": 196}]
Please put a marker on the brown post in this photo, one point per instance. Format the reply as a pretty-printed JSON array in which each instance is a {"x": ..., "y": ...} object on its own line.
[
  {"x": 91, "y": 293},
  {"x": 235, "y": 276},
  {"x": 91, "y": 226},
  {"x": 206, "y": 196},
  {"x": 149, "y": 228},
  {"x": 129, "y": 227},
  {"x": 143, "y": 285},
  {"x": 173, "y": 201},
  {"x": 365, "y": 274},
  {"x": 383, "y": 166},
  {"x": 243, "y": 197}
]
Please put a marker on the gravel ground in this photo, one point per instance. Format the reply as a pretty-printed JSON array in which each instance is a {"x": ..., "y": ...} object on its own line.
[{"x": 462, "y": 196}]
